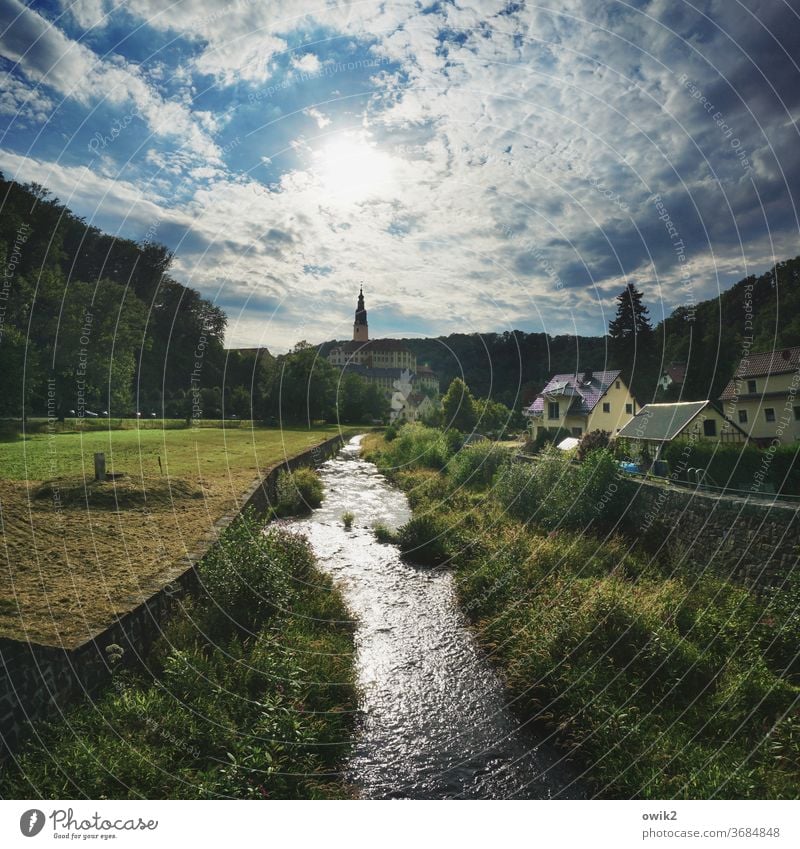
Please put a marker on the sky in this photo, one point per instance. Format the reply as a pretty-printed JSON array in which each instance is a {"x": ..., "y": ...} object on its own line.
[{"x": 476, "y": 166}]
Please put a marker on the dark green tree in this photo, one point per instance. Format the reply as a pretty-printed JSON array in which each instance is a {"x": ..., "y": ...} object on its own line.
[
  {"x": 632, "y": 343},
  {"x": 459, "y": 407}
]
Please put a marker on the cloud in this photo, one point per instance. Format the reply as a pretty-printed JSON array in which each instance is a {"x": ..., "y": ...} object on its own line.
[
  {"x": 496, "y": 162},
  {"x": 48, "y": 57}
]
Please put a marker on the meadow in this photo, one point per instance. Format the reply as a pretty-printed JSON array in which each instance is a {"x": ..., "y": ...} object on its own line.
[{"x": 78, "y": 552}]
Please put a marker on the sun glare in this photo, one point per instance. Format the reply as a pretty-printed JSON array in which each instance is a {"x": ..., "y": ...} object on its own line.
[{"x": 352, "y": 169}]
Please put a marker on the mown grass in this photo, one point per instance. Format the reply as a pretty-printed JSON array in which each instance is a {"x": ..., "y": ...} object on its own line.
[
  {"x": 78, "y": 553},
  {"x": 185, "y": 452},
  {"x": 249, "y": 693},
  {"x": 664, "y": 679}
]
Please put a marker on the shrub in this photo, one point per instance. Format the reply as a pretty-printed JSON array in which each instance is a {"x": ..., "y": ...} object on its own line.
[
  {"x": 592, "y": 441},
  {"x": 516, "y": 490},
  {"x": 418, "y": 446},
  {"x": 347, "y": 520},
  {"x": 423, "y": 539},
  {"x": 391, "y": 432},
  {"x": 385, "y": 534},
  {"x": 555, "y": 493},
  {"x": 298, "y": 492},
  {"x": 477, "y": 464},
  {"x": 726, "y": 464},
  {"x": 546, "y": 436},
  {"x": 785, "y": 470},
  {"x": 248, "y": 574}
]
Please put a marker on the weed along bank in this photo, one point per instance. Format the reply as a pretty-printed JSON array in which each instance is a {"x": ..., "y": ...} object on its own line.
[{"x": 621, "y": 634}]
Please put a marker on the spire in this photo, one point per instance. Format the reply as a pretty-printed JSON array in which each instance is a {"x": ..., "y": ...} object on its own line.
[{"x": 360, "y": 329}]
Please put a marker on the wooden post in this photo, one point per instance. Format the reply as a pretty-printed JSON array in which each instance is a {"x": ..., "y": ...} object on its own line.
[{"x": 99, "y": 466}]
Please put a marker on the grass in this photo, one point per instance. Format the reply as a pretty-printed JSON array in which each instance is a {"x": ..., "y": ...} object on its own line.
[
  {"x": 664, "y": 679},
  {"x": 78, "y": 553},
  {"x": 249, "y": 693}
]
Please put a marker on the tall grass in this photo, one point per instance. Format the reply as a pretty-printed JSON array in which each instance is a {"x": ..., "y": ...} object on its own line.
[
  {"x": 665, "y": 680},
  {"x": 298, "y": 492},
  {"x": 238, "y": 699}
]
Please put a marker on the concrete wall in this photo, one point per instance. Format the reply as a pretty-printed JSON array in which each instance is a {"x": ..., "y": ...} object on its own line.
[
  {"x": 752, "y": 541},
  {"x": 38, "y": 681}
]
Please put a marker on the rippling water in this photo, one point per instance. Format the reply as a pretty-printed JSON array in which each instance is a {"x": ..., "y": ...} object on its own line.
[{"x": 435, "y": 721}]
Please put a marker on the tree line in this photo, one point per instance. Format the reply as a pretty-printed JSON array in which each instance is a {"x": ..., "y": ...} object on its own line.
[{"x": 92, "y": 324}]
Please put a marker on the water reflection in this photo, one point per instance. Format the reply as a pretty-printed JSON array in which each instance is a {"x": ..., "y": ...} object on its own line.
[{"x": 435, "y": 721}]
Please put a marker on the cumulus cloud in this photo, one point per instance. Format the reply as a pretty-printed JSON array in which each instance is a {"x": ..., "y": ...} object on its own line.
[
  {"x": 480, "y": 166},
  {"x": 48, "y": 57}
]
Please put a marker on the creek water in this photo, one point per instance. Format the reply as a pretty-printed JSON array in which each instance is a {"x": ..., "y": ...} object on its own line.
[{"x": 435, "y": 720}]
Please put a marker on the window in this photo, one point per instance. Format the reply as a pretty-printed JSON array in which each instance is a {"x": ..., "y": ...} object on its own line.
[
  {"x": 552, "y": 410},
  {"x": 606, "y": 407},
  {"x": 769, "y": 414},
  {"x": 709, "y": 427},
  {"x": 743, "y": 416},
  {"x": 797, "y": 414},
  {"x": 751, "y": 387},
  {"x": 618, "y": 385},
  {"x": 577, "y": 431},
  {"x": 629, "y": 409}
]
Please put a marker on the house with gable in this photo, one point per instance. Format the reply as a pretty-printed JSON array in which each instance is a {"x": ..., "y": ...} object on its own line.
[
  {"x": 762, "y": 397},
  {"x": 582, "y": 402}
]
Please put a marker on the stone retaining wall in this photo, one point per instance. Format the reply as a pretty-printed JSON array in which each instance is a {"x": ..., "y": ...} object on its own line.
[
  {"x": 752, "y": 541},
  {"x": 39, "y": 681}
]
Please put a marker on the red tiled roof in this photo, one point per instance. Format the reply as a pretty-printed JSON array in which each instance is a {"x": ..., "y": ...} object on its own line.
[
  {"x": 676, "y": 372},
  {"x": 782, "y": 361},
  {"x": 585, "y": 393},
  {"x": 372, "y": 345}
]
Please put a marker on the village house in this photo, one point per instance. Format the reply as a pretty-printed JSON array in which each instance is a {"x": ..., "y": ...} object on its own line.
[
  {"x": 580, "y": 403},
  {"x": 656, "y": 425},
  {"x": 673, "y": 375},
  {"x": 762, "y": 396}
]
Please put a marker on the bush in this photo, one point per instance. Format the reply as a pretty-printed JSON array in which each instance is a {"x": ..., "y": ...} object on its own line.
[
  {"x": 555, "y": 493},
  {"x": 546, "y": 436},
  {"x": 418, "y": 446},
  {"x": 248, "y": 574},
  {"x": 347, "y": 520},
  {"x": 477, "y": 464},
  {"x": 298, "y": 492},
  {"x": 423, "y": 539},
  {"x": 385, "y": 534},
  {"x": 726, "y": 464},
  {"x": 592, "y": 441},
  {"x": 785, "y": 470}
]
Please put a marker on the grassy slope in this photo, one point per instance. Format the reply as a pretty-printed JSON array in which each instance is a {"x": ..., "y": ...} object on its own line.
[
  {"x": 262, "y": 708},
  {"x": 667, "y": 681},
  {"x": 66, "y": 569}
]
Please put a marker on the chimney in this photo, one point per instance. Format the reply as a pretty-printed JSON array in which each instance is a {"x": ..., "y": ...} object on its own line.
[{"x": 587, "y": 376}]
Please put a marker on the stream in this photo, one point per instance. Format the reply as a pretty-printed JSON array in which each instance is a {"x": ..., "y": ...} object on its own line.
[{"x": 435, "y": 719}]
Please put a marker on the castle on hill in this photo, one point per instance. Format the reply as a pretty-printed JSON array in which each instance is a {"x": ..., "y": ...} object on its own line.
[{"x": 412, "y": 389}]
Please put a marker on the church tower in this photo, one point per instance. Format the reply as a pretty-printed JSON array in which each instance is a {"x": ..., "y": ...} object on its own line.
[{"x": 360, "y": 327}]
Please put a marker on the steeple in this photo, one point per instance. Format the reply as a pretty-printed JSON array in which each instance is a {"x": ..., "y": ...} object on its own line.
[{"x": 360, "y": 327}]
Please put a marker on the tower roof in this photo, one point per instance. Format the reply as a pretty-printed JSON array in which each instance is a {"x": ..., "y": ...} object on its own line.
[{"x": 361, "y": 312}]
